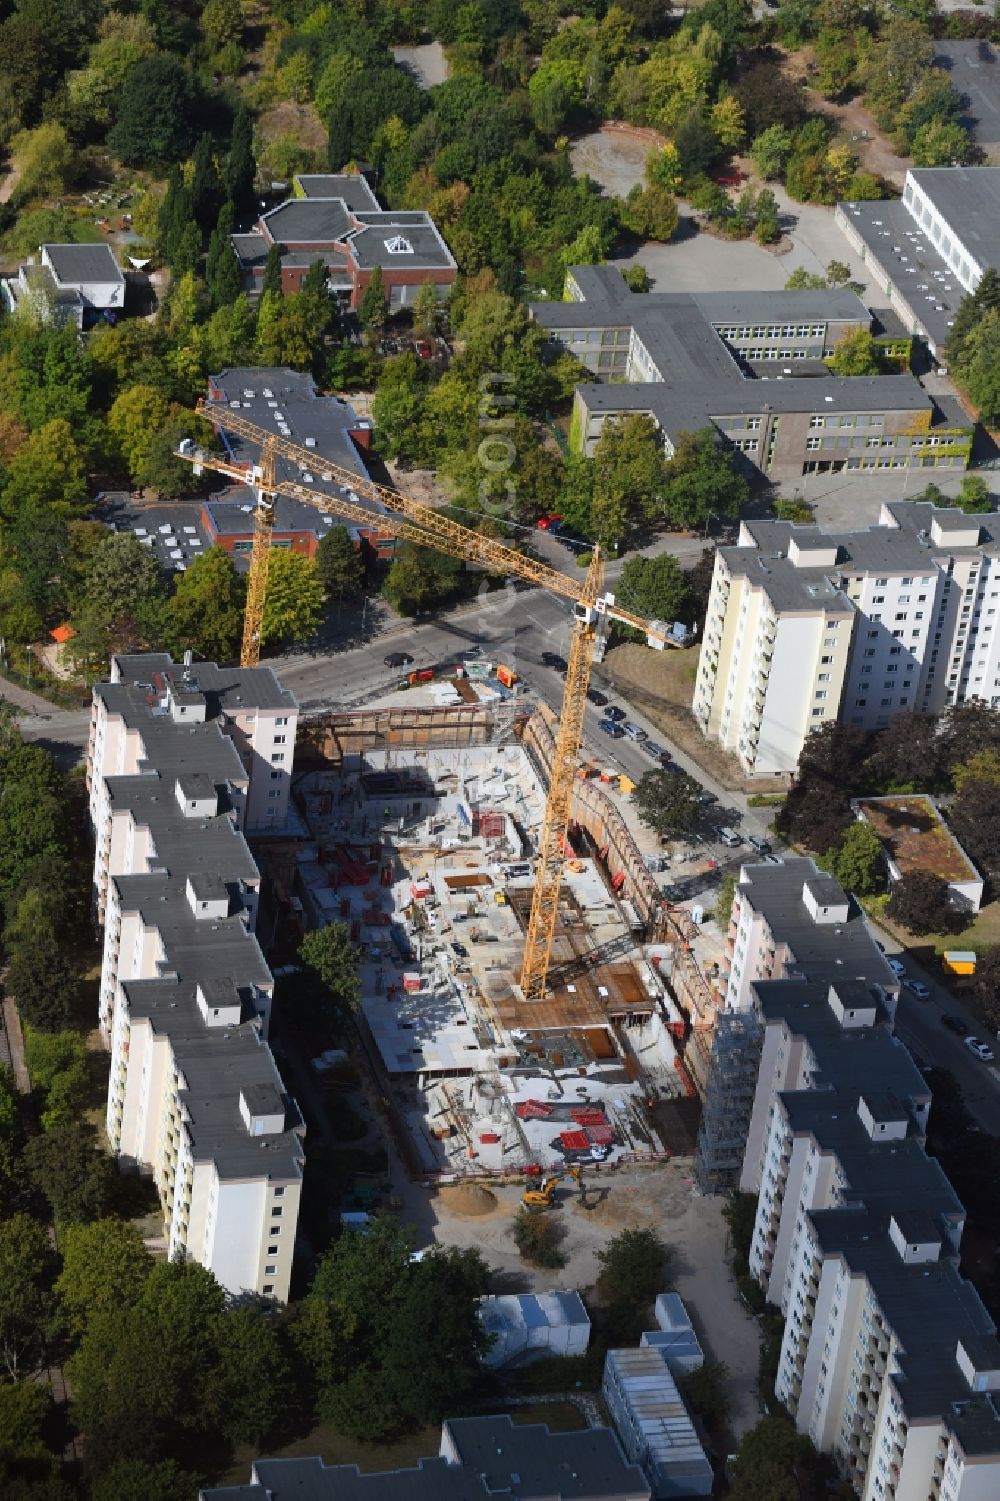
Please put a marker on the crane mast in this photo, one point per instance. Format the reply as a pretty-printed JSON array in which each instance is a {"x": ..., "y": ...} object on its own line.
[{"x": 404, "y": 517}]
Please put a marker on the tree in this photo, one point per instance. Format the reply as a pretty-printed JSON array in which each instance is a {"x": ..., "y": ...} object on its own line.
[
  {"x": 537, "y": 1236},
  {"x": 49, "y": 469},
  {"x": 771, "y": 150},
  {"x": 74, "y": 1175},
  {"x": 25, "y": 1413},
  {"x": 634, "y": 1266},
  {"x": 775, "y": 1463},
  {"x": 130, "y": 1478},
  {"x": 391, "y": 1342},
  {"x": 271, "y": 280},
  {"x": 629, "y": 476},
  {"x": 333, "y": 960},
  {"x": 239, "y": 167},
  {"x": 57, "y": 1062},
  {"x": 222, "y": 22},
  {"x": 856, "y": 353},
  {"x": 654, "y": 587},
  {"x": 46, "y": 161},
  {"x": 41, "y": 974},
  {"x": 134, "y": 418},
  {"x": 921, "y": 903},
  {"x": 295, "y": 597},
  {"x": 975, "y": 496},
  {"x": 426, "y": 309},
  {"x": 702, "y": 481},
  {"x": 144, "y": 1374},
  {"x": 206, "y": 610},
  {"x": 704, "y": 1391},
  {"x": 802, "y": 280},
  {"x": 976, "y": 365},
  {"x": 123, "y": 583},
  {"x": 723, "y": 910},
  {"x": 206, "y": 186},
  {"x": 651, "y": 213},
  {"x": 636, "y": 278},
  {"x": 341, "y": 566},
  {"x": 152, "y": 127},
  {"x": 421, "y": 579},
  {"x": 105, "y": 1267},
  {"x": 252, "y": 1395},
  {"x": 986, "y": 987},
  {"x": 27, "y": 1309},
  {"x": 767, "y": 225},
  {"x": 894, "y": 68},
  {"x": 374, "y": 307},
  {"x": 668, "y": 802},
  {"x": 858, "y": 861}
]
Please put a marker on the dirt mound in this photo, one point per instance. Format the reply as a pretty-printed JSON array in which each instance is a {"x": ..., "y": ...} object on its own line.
[{"x": 468, "y": 1199}]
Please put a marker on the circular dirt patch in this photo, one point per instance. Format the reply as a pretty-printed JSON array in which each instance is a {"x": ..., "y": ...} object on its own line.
[{"x": 469, "y": 1199}]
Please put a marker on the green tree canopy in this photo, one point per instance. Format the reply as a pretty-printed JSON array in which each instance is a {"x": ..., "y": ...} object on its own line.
[
  {"x": 702, "y": 481},
  {"x": 105, "y": 1267},
  {"x": 654, "y": 587},
  {"x": 668, "y": 802},
  {"x": 334, "y": 962},
  {"x": 858, "y": 862},
  {"x": 420, "y": 579},
  {"x": 856, "y": 353},
  {"x": 153, "y": 124},
  {"x": 68, "y": 1167},
  {"x": 205, "y": 612},
  {"x": 295, "y": 597},
  {"x": 341, "y": 566},
  {"x": 920, "y": 902},
  {"x": 28, "y": 1318}
]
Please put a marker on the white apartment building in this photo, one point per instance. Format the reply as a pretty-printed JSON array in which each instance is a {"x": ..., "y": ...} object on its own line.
[
  {"x": 793, "y": 919},
  {"x": 889, "y": 1360},
  {"x": 194, "y": 1096},
  {"x": 804, "y": 626},
  {"x": 246, "y": 704}
]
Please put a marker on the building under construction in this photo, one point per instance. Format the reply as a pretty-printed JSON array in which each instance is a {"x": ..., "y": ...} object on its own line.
[{"x": 422, "y": 828}]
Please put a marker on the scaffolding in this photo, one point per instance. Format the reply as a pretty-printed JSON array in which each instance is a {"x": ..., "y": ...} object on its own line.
[{"x": 732, "y": 1084}]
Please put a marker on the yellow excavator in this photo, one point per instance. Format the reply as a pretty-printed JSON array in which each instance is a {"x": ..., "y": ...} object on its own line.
[{"x": 542, "y": 1196}]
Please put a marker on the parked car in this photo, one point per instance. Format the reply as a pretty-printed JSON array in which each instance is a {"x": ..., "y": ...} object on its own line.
[
  {"x": 424, "y": 349},
  {"x": 610, "y": 728},
  {"x": 613, "y": 712},
  {"x": 553, "y": 659},
  {"x": 634, "y": 731},
  {"x": 460, "y": 950},
  {"x": 760, "y": 845},
  {"x": 730, "y": 838},
  {"x": 955, "y": 1024},
  {"x": 707, "y": 799},
  {"x": 652, "y": 750},
  {"x": 549, "y": 523},
  {"x": 897, "y": 966},
  {"x": 397, "y": 659},
  {"x": 920, "y": 990},
  {"x": 597, "y": 697},
  {"x": 982, "y": 1050}
]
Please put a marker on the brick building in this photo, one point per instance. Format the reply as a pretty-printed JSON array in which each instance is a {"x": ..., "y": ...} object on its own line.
[{"x": 338, "y": 219}]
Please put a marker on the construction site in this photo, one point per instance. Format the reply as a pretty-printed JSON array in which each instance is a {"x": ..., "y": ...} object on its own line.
[
  {"x": 422, "y": 826},
  {"x": 518, "y": 951}
]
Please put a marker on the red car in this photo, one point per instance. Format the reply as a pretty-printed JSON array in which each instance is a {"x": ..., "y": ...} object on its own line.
[
  {"x": 727, "y": 179},
  {"x": 424, "y": 350},
  {"x": 549, "y": 523}
]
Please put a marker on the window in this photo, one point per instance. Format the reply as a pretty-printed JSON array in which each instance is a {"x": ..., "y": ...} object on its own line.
[
  {"x": 859, "y": 703},
  {"x": 824, "y": 677},
  {"x": 270, "y": 1271},
  {"x": 276, "y": 1212},
  {"x": 280, "y": 739},
  {"x": 273, "y": 1250},
  {"x": 278, "y": 757},
  {"x": 269, "y": 1287},
  {"x": 878, "y": 599},
  {"x": 275, "y": 775},
  {"x": 821, "y": 693},
  {"x": 818, "y": 713},
  {"x": 281, "y": 719},
  {"x": 275, "y": 792},
  {"x": 826, "y": 661}
]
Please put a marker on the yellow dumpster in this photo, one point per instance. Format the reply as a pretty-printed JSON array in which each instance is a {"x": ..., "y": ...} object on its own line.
[{"x": 960, "y": 961}]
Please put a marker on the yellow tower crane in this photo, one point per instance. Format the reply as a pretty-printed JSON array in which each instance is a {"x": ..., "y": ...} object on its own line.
[{"x": 389, "y": 511}]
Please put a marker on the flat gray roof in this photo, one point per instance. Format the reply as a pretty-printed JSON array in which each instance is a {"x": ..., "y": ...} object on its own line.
[
  {"x": 276, "y": 399},
  {"x": 702, "y": 380},
  {"x": 352, "y": 187},
  {"x": 80, "y": 263},
  {"x": 173, "y": 533},
  {"x": 144, "y": 678},
  {"x": 308, "y": 221},
  {"x": 924, "y": 280},
  {"x": 823, "y": 950},
  {"x": 968, "y": 198},
  {"x": 496, "y": 1457}
]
